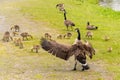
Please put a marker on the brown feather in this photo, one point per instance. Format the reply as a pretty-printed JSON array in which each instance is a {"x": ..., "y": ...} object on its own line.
[
  {"x": 56, "y": 49},
  {"x": 90, "y": 50},
  {"x": 64, "y": 51}
]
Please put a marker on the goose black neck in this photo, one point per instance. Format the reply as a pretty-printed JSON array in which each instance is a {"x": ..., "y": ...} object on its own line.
[
  {"x": 65, "y": 16},
  {"x": 79, "y": 35},
  {"x": 88, "y": 23}
]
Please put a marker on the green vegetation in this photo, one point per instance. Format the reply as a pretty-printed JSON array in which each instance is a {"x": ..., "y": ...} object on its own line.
[{"x": 107, "y": 20}]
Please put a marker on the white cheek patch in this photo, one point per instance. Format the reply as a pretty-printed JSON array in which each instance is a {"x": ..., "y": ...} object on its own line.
[{"x": 84, "y": 64}]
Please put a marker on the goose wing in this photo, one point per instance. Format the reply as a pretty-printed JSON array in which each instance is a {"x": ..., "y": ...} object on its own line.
[
  {"x": 65, "y": 52},
  {"x": 56, "y": 49},
  {"x": 90, "y": 51},
  {"x": 69, "y": 23},
  {"x": 82, "y": 50}
]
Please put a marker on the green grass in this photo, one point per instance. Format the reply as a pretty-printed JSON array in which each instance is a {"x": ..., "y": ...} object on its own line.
[{"x": 106, "y": 19}]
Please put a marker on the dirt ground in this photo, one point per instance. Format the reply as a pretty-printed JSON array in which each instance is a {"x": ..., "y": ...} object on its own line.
[{"x": 16, "y": 64}]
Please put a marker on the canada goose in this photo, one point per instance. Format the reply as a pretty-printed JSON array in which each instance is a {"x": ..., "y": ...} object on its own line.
[
  {"x": 25, "y": 35},
  {"x": 89, "y": 34},
  {"x": 78, "y": 49},
  {"x": 7, "y": 37},
  {"x": 59, "y": 36},
  {"x": 67, "y": 35},
  {"x": 36, "y": 48},
  {"x": 68, "y": 23},
  {"x": 109, "y": 49},
  {"x": 16, "y": 28},
  {"x": 106, "y": 38},
  {"x": 18, "y": 42},
  {"x": 47, "y": 36},
  {"x": 91, "y": 27},
  {"x": 15, "y": 33}
]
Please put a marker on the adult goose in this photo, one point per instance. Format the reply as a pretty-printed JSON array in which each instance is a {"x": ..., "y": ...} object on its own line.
[
  {"x": 79, "y": 49},
  {"x": 91, "y": 27},
  {"x": 68, "y": 23}
]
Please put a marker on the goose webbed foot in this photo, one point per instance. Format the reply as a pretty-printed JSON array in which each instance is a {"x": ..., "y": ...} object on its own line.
[
  {"x": 85, "y": 68},
  {"x": 74, "y": 69},
  {"x": 82, "y": 69}
]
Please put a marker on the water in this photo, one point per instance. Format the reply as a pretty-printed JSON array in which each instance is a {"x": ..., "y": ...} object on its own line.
[{"x": 114, "y": 4}]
